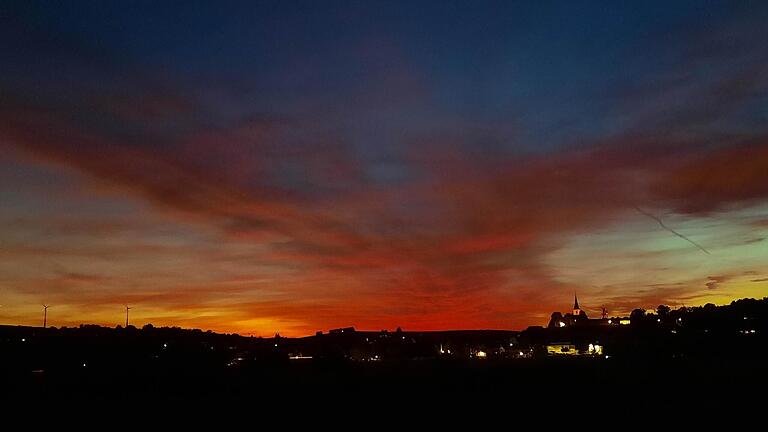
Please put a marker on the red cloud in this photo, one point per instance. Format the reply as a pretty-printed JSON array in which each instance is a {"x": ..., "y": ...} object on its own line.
[{"x": 462, "y": 245}]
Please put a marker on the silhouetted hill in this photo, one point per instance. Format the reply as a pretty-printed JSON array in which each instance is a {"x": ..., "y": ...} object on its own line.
[{"x": 697, "y": 349}]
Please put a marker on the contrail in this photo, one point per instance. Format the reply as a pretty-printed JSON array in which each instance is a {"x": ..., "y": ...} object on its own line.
[{"x": 671, "y": 230}]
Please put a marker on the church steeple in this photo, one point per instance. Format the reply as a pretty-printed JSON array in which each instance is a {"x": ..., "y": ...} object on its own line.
[{"x": 576, "y": 309}]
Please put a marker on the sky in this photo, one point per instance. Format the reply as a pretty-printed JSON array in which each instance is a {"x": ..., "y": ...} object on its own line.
[{"x": 292, "y": 166}]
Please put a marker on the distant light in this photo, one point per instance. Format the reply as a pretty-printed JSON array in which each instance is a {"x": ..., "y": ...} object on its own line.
[
  {"x": 84, "y": 364},
  {"x": 165, "y": 345},
  {"x": 658, "y": 319},
  {"x": 609, "y": 321},
  {"x": 481, "y": 354},
  {"x": 751, "y": 331},
  {"x": 275, "y": 345},
  {"x": 562, "y": 324},
  {"x": 23, "y": 339}
]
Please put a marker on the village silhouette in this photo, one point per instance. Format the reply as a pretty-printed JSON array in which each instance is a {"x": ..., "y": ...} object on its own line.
[{"x": 694, "y": 347}]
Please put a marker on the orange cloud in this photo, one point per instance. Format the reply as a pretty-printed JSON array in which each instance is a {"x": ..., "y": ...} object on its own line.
[{"x": 461, "y": 244}]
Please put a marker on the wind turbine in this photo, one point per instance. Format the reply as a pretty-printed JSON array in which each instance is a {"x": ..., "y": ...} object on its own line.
[
  {"x": 126, "y": 315},
  {"x": 45, "y": 315}
]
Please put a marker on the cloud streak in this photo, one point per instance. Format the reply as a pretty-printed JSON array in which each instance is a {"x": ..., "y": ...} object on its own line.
[{"x": 661, "y": 223}]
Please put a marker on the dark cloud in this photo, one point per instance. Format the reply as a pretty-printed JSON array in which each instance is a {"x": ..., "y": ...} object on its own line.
[{"x": 715, "y": 281}]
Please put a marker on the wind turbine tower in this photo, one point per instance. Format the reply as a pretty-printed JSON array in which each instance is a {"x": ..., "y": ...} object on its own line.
[{"x": 45, "y": 315}]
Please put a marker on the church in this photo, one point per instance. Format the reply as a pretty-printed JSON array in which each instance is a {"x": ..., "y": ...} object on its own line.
[
  {"x": 575, "y": 318},
  {"x": 578, "y": 318}
]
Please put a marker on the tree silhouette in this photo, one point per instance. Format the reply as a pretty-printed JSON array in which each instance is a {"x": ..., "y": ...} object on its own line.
[{"x": 637, "y": 316}]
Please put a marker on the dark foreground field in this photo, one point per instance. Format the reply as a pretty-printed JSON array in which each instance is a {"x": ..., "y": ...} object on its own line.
[{"x": 649, "y": 383}]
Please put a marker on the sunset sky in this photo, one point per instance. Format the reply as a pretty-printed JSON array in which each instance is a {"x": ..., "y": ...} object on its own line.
[{"x": 290, "y": 166}]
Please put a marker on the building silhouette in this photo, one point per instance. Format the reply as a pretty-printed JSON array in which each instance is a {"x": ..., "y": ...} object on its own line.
[{"x": 574, "y": 318}]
